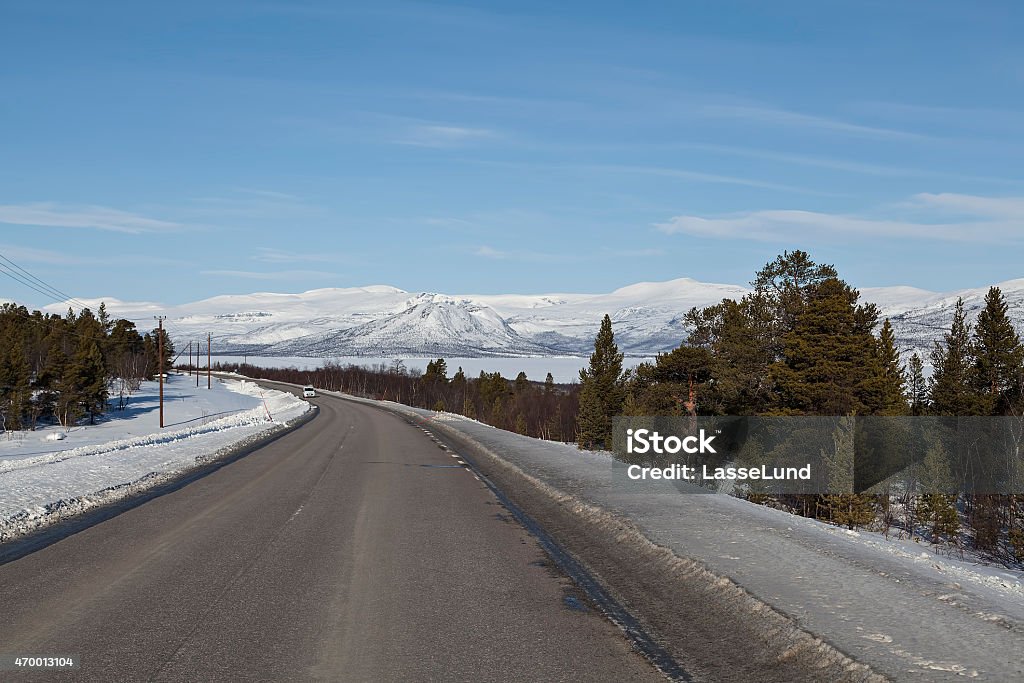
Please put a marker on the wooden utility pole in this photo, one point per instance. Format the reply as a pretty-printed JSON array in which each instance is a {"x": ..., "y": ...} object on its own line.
[
  {"x": 207, "y": 360},
  {"x": 197, "y": 364},
  {"x": 160, "y": 364},
  {"x": 190, "y": 358}
]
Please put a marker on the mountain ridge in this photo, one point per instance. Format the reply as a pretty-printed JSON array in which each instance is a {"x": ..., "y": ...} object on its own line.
[{"x": 381, "y": 320}]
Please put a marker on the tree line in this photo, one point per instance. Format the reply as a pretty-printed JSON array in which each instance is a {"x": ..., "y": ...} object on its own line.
[
  {"x": 540, "y": 409},
  {"x": 60, "y": 369}
]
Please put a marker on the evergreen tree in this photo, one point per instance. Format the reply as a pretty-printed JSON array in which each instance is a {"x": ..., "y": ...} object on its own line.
[
  {"x": 677, "y": 383},
  {"x": 601, "y": 390},
  {"x": 739, "y": 337},
  {"x": 437, "y": 371},
  {"x": 939, "y": 511},
  {"x": 781, "y": 290},
  {"x": 842, "y": 505},
  {"x": 950, "y": 391},
  {"x": 520, "y": 424},
  {"x": 88, "y": 376},
  {"x": 521, "y": 384},
  {"x": 998, "y": 355},
  {"x": 889, "y": 381},
  {"x": 104, "y": 318},
  {"x": 829, "y": 356},
  {"x": 917, "y": 386},
  {"x": 15, "y": 392}
]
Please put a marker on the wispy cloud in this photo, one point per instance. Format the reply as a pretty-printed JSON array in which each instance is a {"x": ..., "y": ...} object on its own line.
[
  {"x": 52, "y": 215},
  {"x": 1011, "y": 208},
  {"x": 449, "y": 223},
  {"x": 432, "y": 135},
  {"x": 967, "y": 117},
  {"x": 697, "y": 176},
  {"x": 271, "y": 275},
  {"x": 519, "y": 255},
  {"x": 433, "y": 14},
  {"x": 942, "y": 217},
  {"x": 47, "y": 257},
  {"x": 785, "y": 117},
  {"x": 359, "y": 126},
  {"x": 632, "y": 253},
  {"x": 244, "y": 202},
  {"x": 268, "y": 194},
  {"x": 516, "y": 255},
  {"x": 271, "y": 255},
  {"x": 44, "y": 256},
  {"x": 882, "y": 170}
]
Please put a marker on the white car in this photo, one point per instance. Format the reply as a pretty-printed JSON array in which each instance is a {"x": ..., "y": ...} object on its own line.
[{"x": 308, "y": 392}]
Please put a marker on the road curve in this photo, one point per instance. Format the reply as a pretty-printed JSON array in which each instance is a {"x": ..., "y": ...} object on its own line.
[{"x": 349, "y": 550}]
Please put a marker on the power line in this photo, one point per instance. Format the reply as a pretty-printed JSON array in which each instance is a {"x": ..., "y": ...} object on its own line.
[
  {"x": 28, "y": 283},
  {"x": 63, "y": 296},
  {"x": 24, "y": 277}
]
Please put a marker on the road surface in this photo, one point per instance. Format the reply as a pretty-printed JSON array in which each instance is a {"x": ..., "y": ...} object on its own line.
[{"x": 352, "y": 549}]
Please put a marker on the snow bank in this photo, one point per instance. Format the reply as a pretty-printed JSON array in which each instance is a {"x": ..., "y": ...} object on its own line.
[{"x": 43, "y": 479}]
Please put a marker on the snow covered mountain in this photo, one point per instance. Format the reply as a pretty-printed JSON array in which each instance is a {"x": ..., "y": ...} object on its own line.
[
  {"x": 383, "y": 321},
  {"x": 919, "y": 317},
  {"x": 430, "y": 324}
]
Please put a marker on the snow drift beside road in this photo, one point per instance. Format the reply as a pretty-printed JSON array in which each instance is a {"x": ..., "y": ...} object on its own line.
[{"x": 42, "y": 480}]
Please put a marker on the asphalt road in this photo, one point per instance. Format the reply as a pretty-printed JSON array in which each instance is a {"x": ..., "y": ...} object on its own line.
[{"x": 352, "y": 549}]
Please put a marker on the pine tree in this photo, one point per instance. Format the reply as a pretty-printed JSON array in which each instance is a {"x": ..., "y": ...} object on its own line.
[
  {"x": 437, "y": 371},
  {"x": 601, "y": 390},
  {"x": 520, "y": 424},
  {"x": 739, "y": 336},
  {"x": 998, "y": 355},
  {"x": 781, "y": 290},
  {"x": 15, "y": 392},
  {"x": 950, "y": 391},
  {"x": 939, "y": 510},
  {"x": 521, "y": 384},
  {"x": 88, "y": 376},
  {"x": 842, "y": 505},
  {"x": 917, "y": 386},
  {"x": 684, "y": 375},
  {"x": 890, "y": 374},
  {"x": 829, "y": 355}
]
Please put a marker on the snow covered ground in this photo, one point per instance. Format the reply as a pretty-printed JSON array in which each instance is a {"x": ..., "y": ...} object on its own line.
[{"x": 42, "y": 478}]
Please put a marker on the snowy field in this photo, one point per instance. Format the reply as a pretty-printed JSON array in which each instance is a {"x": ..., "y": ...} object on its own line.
[
  {"x": 564, "y": 369},
  {"x": 42, "y": 477}
]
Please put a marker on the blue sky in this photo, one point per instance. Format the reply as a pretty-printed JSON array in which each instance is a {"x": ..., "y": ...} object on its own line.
[{"x": 177, "y": 151}]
